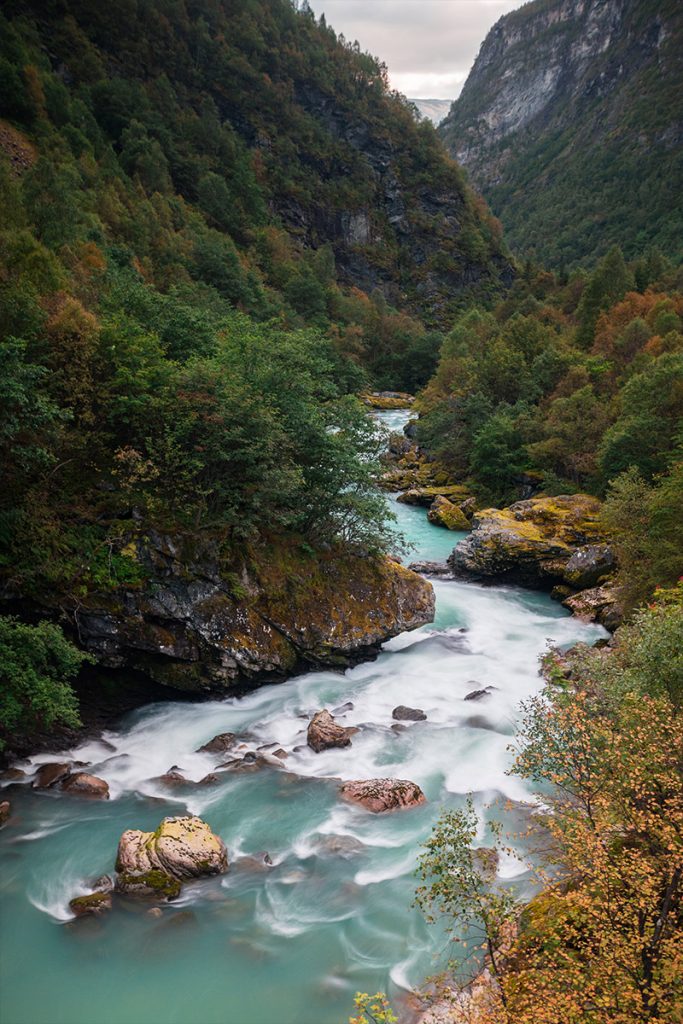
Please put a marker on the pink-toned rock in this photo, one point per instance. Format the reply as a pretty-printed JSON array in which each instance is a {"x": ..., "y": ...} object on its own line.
[
  {"x": 323, "y": 733},
  {"x": 50, "y": 774},
  {"x": 378, "y": 795},
  {"x": 82, "y": 784}
]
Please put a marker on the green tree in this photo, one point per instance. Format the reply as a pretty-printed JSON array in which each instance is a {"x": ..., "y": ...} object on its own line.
[{"x": 37, "y": 665}]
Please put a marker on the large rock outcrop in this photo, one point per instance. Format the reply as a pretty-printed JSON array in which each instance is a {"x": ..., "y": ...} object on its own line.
[
  {"x": 156, "y": 863},
  {"x": 198, "y": 625},
  {"x": 540, "y": 543}
]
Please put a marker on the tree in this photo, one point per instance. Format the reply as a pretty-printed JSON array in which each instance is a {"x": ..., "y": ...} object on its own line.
[
  {"x": 607, "y": 285},
  {"x": 37, "y": 664}
]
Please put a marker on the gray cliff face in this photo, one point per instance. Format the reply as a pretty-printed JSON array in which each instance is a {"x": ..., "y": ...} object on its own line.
[{"x": 564, "y": 93}]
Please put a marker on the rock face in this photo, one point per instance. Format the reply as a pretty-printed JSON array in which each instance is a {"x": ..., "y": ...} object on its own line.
[
  {"x": 550, "y": 109},
  {"x": 533, "y": 542},
  {"x": 443, "y": 512},
  {"x": 324, "y": 733},
  {"x": 156, "y": 863},
  {"x": 187, "y": 628},
  {"x": 379, "y": 795}
]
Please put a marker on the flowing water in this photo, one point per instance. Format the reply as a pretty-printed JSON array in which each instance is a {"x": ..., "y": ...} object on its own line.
[{"x": 292, "y": 942}]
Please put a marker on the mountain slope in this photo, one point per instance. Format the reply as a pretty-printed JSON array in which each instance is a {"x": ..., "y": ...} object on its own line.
[
  {"x": 571, "y": 124},
  {"x": 258, "y": 115}
]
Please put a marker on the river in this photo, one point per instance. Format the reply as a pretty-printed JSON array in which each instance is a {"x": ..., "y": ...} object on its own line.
[{"x": 292, "y": 943}]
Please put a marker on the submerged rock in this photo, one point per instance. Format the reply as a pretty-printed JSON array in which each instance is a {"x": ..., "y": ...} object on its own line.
[
  {"x": 531, "y": 542},
  {"x": 379, "y": 795},
  {"x": 93, "y": 903},
  {"x": 155, "y": 863},
  {"x": 323, "y": 733},
  {"x": 443, "y": 512},
  {"x": 83, "y": 784},
  {"x": 406, "y": 714},
  {"x": 5, "y": 811}
]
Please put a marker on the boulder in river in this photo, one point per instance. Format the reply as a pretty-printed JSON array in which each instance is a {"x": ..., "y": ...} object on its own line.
[
  {"x": 443, "y": 512},
  {"x": 406, "y": 714},
  {"x": 324, "y": 733},
  {"x": 94, "y": 903},
  {"x": 479, "y": 694},
  {"x": 379, "y": 795},
  {"x": 5, "y": 811},
  {"x": 83, "y": 784},
  {"x": 532, "y": 542},
  {"x": 155, "y": 863},
  {"x": 49, "y": 775},
  {"x": 219, "y": 744}
]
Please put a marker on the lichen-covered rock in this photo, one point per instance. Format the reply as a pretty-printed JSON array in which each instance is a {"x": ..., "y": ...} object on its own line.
[
  {"x": 531, "y": 542},
  {"x": 324, "y": 733},
  {"x": 598, "y": 604},
  {"x": 193, "y": 628},
  {"x": 431, "y": 568},
  {"x": 387, "y": 399},
  {"x": 443, "y": 512},
  {"x": 155, "y": 863},
  {"x": 406, "y": 714},
  {"x": 83, "y": 784},
  {"x": 51, "y": 774},
  {"x": 94, "y": 903},
  {"x": 379, "y": 795}
]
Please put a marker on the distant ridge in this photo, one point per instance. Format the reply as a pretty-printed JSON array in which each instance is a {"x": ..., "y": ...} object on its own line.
[{"x": 435, "y": 110}]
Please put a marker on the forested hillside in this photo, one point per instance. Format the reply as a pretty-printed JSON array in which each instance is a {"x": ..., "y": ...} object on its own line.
[{"x": 571, "y": 125}]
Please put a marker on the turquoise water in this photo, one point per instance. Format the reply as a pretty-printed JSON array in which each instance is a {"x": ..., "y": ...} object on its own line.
[{"x": 291, "y": 943}]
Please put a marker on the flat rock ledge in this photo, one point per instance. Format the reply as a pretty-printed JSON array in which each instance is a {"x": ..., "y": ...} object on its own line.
[
  {"x": 154, "y": 864},
  {"x": 380, "y": 795}
]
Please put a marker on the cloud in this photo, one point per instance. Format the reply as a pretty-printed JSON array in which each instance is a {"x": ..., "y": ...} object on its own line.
[{"x": 428, "y": 45}]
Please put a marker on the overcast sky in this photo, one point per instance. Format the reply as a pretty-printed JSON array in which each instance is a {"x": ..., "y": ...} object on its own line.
[{"x": 428, "y": 45}]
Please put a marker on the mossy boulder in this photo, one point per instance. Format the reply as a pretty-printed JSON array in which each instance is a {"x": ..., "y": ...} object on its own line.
[
  {"x": 94, "y": 903},
  {"x": 531, "y": 542},
  {"x": 384, "y": 400},
  {"x": 156, "y": 863},
  {"x": 443, "y": 512}
]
